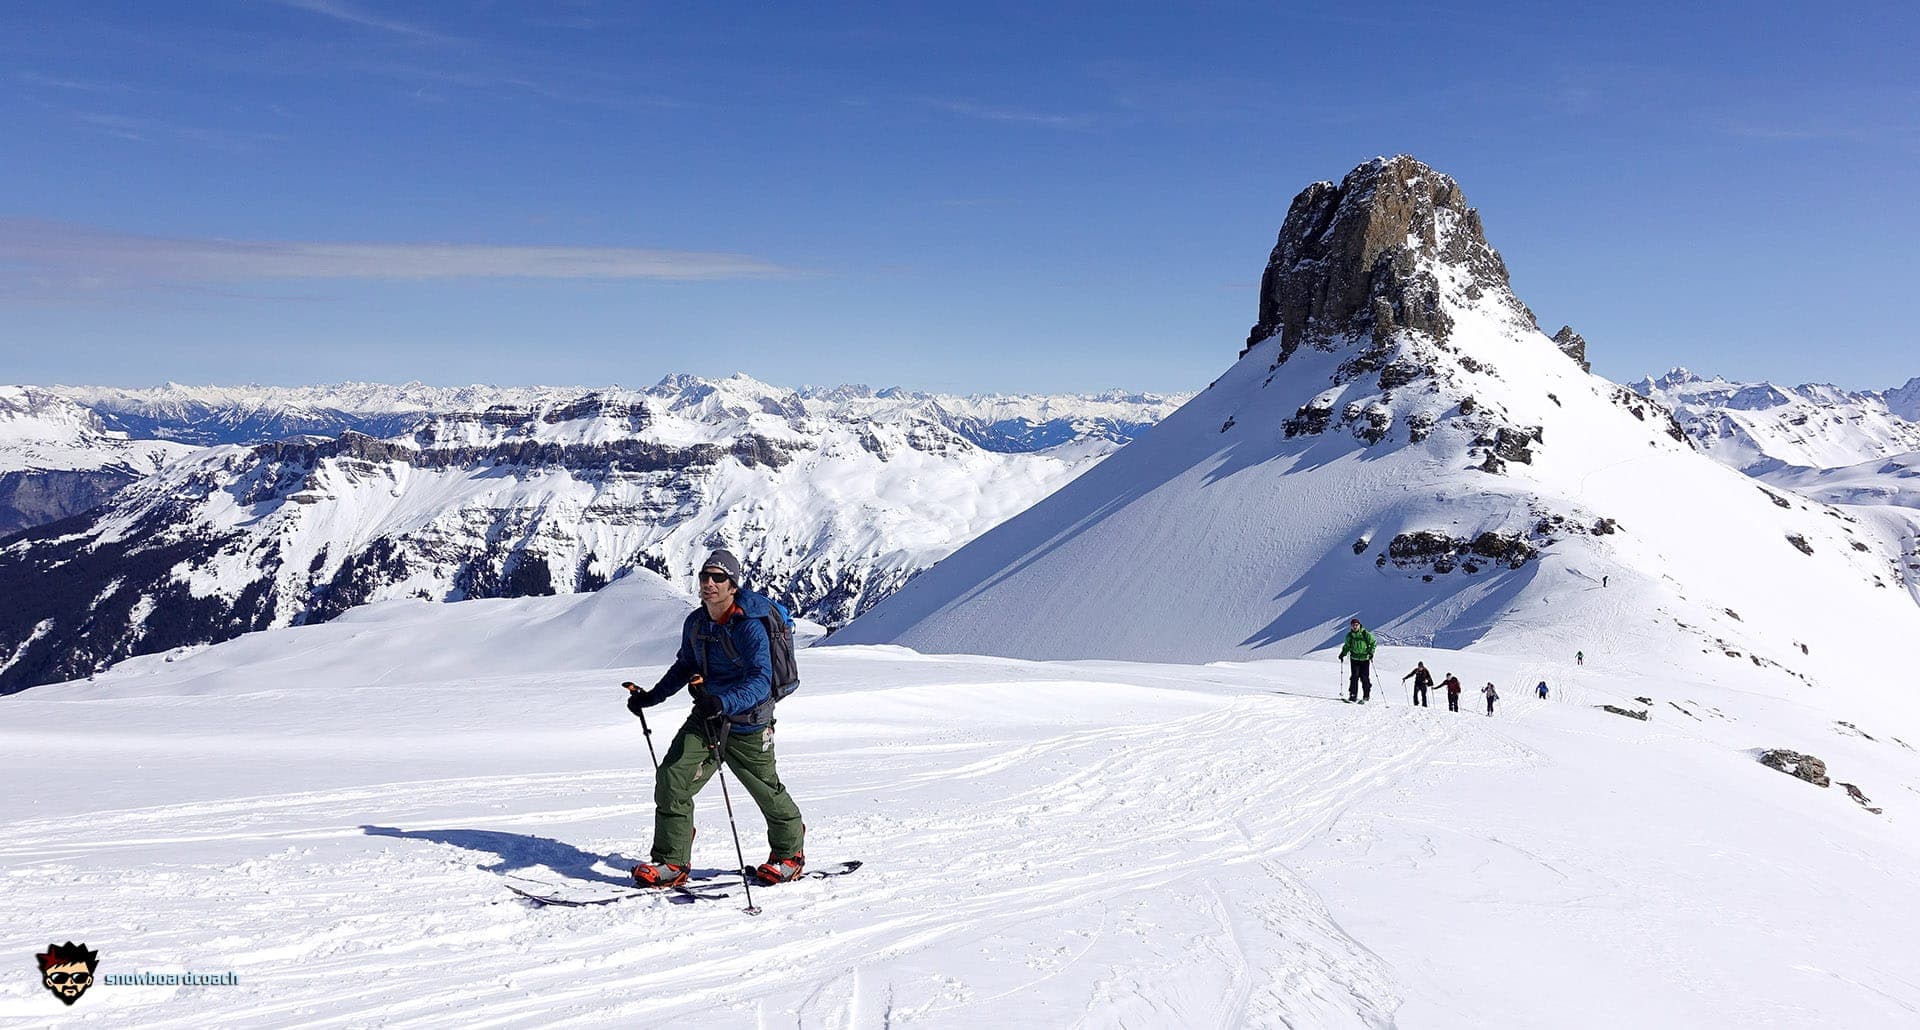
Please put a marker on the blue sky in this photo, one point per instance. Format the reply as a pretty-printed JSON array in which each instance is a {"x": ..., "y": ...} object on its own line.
[{"x": 959, "y": 197}]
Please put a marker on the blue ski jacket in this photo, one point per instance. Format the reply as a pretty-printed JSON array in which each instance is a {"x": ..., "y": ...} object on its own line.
[{"x": 742, "y": 678}]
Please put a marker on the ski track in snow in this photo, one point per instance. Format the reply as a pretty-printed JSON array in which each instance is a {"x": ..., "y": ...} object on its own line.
[{"x": 1110, "y": 852}]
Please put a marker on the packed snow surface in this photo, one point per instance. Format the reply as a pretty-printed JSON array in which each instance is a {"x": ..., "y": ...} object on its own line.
[{"x": 331, "y": 812}]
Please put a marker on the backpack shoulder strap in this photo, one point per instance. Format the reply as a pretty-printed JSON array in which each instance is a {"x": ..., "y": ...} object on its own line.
[{"x": 697, "y": 639}]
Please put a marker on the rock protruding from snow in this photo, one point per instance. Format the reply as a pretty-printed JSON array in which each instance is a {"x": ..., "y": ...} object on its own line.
[
  {"x": 1793, "y": 763},
  {"x": 1860, "y": 797},
  {"x": 1573, "y": 345},
  {"x": 1358, "y": 258}
]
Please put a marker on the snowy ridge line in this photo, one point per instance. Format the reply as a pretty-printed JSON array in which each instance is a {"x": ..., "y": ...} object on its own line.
[{"x": 249, "y": 414}]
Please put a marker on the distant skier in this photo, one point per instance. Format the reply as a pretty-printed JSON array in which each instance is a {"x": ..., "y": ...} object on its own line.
[
  {"x": 1492, "y": 696},
  {"x": 1360, "y": 674},
  {"x": 1579, "y": 658},
  {"x": 1422, "y": 679},
  {"x": 1603, "y": 581},
  {"x": 1452, "y": 683},
  {"x": 1542, "y": 690},
  {"x": 725, "y": 657}
]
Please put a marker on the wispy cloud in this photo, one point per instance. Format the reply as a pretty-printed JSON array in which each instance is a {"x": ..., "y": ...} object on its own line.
[
  {"x": 354, "y": 16},
  {"x": 1786, "y": 134},
  {"x": 82, "y": 257},
  {"x": 1867, "y": 127},
  {"x": 33, "y": 78},
  {"x": 571, "y": 87},
  {"x": 1015, "y": 116},
  {"x": 146, "y": 130}
]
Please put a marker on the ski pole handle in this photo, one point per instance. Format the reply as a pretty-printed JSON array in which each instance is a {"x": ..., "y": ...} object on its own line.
[{"x": 634, "y": 688}]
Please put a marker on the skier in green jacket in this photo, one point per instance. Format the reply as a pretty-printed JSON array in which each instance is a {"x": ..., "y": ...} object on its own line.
[{"x": 1360, "y": 646}]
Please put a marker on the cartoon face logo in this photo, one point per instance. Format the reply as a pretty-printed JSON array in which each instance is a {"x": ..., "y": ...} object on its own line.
[{"x": 67, "y": 970}]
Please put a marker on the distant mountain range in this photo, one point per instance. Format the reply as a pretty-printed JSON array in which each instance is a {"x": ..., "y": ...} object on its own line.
[
  {"x": 1758, "y": 427},
  {"x": 834, "y": 497}
]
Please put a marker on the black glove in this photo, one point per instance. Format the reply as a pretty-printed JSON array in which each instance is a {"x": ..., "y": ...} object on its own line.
[
  {"x": 707, "y": 707},
  {"x": 640, "y": 699}
]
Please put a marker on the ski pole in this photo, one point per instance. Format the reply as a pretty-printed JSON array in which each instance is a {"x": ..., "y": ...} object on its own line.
[
  {"x": 716, "y": 746},
  {"x": 720, "y": 769},
  {"x": 645, "y": 729}
]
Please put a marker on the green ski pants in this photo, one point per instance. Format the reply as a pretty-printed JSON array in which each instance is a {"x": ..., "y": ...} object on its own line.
[{"x": 688, "y": 766}]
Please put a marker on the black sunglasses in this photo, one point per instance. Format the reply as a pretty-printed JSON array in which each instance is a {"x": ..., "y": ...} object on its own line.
[
  {"x": 715, "y": 577},
  {"x": 79, "y": 978}
]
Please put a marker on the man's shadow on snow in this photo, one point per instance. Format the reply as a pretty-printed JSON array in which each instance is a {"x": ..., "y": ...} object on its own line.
[{"x": 519, "y": 852}]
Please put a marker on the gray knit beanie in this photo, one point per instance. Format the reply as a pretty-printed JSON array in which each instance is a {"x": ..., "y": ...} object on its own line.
[{"x": 724, "y": 560}]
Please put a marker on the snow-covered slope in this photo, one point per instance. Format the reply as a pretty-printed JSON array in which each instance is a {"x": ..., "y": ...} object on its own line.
[
  {"x": 832, "y": 501},
  {"x": 1883, "y": 493},
  {"x": 58, "y": 459},
  {"x": 1893, "y": 480},
  {"x": 331, "y": 813},
  {"x": 1758, "y": 427},
  {"x": 1401, "y": 442}
]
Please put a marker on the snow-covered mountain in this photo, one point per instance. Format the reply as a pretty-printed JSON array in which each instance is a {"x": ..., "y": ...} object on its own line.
[
  {"x": 58, "y": 459},
  {"x": 1757, "y": 427},
  {"x": 1400, "y": 441},
  {"x": 834, "y": 498}
]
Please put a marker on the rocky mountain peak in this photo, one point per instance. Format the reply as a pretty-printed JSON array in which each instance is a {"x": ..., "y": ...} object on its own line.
[
  {"x": 1677, "y": 376},
  {"x": 1366, "y": 258},
  {"x": 1573, "y": 345},
  {"x": 1904, "y": 401}
]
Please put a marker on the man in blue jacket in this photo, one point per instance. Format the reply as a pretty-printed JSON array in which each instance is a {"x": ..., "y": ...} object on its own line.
[{"x": 724, "y": 658}]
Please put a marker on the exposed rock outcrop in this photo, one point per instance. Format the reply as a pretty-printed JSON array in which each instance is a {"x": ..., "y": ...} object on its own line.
[
  {"x": 1793, "y": 763},
  {"x": 29, "y": 499},
  {"x": 1348, "y": 260},
  {"x": 1573, "y": 345}
]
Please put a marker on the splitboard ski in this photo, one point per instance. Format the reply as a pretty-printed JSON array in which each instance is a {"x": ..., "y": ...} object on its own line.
[
  {"x": 580, "y": 893},
  {"x": 838, "y": 869}
]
